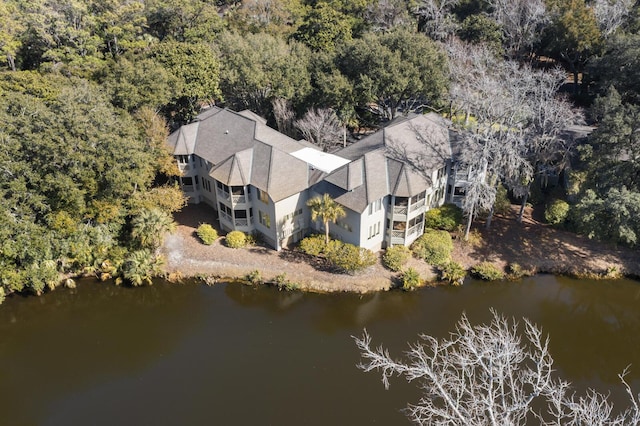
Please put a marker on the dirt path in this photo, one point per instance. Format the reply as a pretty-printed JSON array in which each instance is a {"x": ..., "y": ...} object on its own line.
[{"x": 531, "y": 244}]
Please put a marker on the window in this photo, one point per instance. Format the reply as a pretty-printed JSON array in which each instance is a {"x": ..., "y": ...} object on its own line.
[
  {"x": 416, "y": 221},
  {"x": 264, "y": 219},
  {"x": 459, "y": 190},
  {"x": 264, "y": 197},
  {"x": 418, "y": 197},
  {"x": 344, "y": 225},
  {"x": 187, "y": 181},
  {"x": 441, "y": 172},
  {"x": 291, "y": 215},
  {"x": 224, "y": 210},
  {"x": 374, "y": 230},
  {"x": 375, "y": 206},
  {"x": 183, "y": 159}
]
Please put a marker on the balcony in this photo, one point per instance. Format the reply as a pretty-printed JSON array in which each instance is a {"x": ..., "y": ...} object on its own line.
[
  {"x": 417, "y": 205},
  {"x": 240, "y": 199},
  {"x": 189, "y": 188},
  {"x": 397, "y": 234},
  {"x": 416, "y": 229},
  {"x": 184, "y": 167},
  {"x": 401, "y": 210},
  {"x": 243, "y": 222},
  {"x": 223, "y": 195},
  {"x": 225, "y": 217}
]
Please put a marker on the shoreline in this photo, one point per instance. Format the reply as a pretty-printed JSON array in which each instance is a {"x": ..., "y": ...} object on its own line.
[{"x": 536, "y": 247}]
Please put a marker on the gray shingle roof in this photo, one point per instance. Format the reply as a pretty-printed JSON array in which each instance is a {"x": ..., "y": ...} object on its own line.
[
  {"x": 397, "y": 160},
  {"x": 244, "y": 150}
]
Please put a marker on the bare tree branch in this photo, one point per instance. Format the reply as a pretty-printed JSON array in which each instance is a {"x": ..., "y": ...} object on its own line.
[
  {"x": 499, "y": 373},
  {"x": 321, "y": 127},
  {"x": 284, "y": 116}
]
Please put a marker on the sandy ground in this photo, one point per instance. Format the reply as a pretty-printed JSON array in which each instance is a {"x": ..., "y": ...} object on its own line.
[{"x": 532, "y": 244}]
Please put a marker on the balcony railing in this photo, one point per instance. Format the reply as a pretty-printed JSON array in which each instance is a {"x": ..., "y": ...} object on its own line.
[
  {"x": 223, "y": 195},
  {"x": 188, "y": 188},
  {"x": 242, "y": 222},
  {"x": 417, "y": 205},
  {"x": 184, "y": 167},
  {"x": 397, "y": 234},
  {"x": 239, "y": 199},
  {"x": 224, "y": 216},
  {"x": 400, "y": 210},
  {"x": 416, "y": 229}
]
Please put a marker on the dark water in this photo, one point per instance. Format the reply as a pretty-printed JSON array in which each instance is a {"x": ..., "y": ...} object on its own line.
[{"x": 234, "y": 355}]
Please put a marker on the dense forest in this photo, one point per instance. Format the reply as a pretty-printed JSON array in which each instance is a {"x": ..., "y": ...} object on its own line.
[{"x": 89, "y": 90}]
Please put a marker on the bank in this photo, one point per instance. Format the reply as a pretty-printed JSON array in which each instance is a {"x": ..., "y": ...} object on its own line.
[{"x": 537, "y": 247}]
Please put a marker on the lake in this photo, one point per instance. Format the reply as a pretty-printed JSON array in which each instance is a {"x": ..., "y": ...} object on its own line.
[{"x": 232, "y": 354}]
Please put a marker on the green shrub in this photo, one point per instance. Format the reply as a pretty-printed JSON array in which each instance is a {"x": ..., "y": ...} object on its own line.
[
  {"x": 474, "y": 239},
  {"x": 556, "y": 212},
  {"x": 313, "y": 245},
  {"x": 283, "y": 283},
  {"x": 411, "y": 279},
  {"x": 487, "y": 271},
  {"x": 251, "y": 240},
  {"x": 254, "y": 277},
  {"x": 453, "y": 272},
  {"x": 396, "y": 257},
  {"x": 139, "y": 268},
  {"x": 502, "y": 204},
  {"x": 349, "y": 258},
  {"x": 236, "y": 239},
  {"x": 536, "y": 195},
  {"x": 207, "y": 234},
  {"x": 434, "y": 247},
  {"x": 515, "y": 271},
  {"x": 446, "y": 217}
]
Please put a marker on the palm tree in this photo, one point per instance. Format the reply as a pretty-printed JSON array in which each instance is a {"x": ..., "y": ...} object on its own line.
[
  {"x": 140, "y": 267},
  {"x": 326, "y": 209},
  {"x": 149, "y": 227}
]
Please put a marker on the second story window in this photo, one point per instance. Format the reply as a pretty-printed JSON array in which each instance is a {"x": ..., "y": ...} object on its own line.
[
  {"x": 264, "y": 197},
  {"x": 376, "y": 206}
]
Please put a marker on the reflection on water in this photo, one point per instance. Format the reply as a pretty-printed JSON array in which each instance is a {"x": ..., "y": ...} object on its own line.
[{"x": 234, "y": 354}]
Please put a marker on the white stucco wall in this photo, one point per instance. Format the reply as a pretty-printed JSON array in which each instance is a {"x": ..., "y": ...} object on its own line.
[
  {"x": 376, "y": 219},
  {"x": 268, "y": 208},
  {"x": 287, "y": 207}
]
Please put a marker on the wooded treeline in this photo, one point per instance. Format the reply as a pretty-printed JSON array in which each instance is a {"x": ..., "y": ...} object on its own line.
[{"x": 90, "y": 88}]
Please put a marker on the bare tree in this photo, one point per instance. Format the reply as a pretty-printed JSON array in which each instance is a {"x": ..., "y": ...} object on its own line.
[
  {"x": 321, "y": 127},
  {"x": 492, "y": 95},
  {"x": 439, "y": 21},
  {"x": 518, "y": 125},
  {"x": 385, "y": 15},
  {"x": 548, "y": 148},
  {"x": 284, "y": 116},
  {"x": 610, "y": 14},
  {"x": 521, "y": 22},
  {"x": 492, "y": 374}
]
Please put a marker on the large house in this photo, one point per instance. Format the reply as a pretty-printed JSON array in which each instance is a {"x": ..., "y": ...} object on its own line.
[{"x": 258, "y": 180}]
